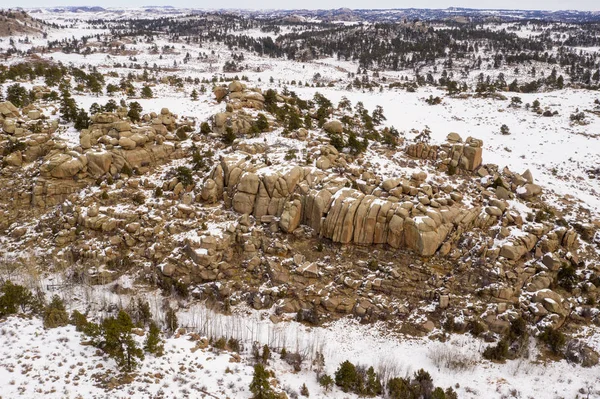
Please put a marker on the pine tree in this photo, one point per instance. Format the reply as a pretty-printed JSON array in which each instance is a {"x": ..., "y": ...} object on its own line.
[
  {"x": 171, "y": 320},
  {"x": 346, "y": 376},
  {"x": 260, "y": 387},
  {"x": 118, "y": 342},
  {"x": 16, "y": 298},
  {"x": 82, "y": 120},
  {"x": 135, "y": 111},
  {"x": 194, "y": 95},
  {"x": 266, "y": 354},
  {"x": 147, "y": 92},
  {"x": 153, "y": 343},
  {"x": 326, "y": 382}
]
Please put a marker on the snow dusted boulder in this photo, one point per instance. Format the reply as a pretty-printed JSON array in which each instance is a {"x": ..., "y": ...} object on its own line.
[
  {"x": 220, "y": 92},
  {"x": 333, "y": 127},
  {"x": 236, "y": 86},
  {"x": 8, "y": 110},
  {"x": 529, "y": 191},
  {"x": 290, "y": 218},
  {"x": 98, "y": 163},
  {"x": 61, "y": 166}
]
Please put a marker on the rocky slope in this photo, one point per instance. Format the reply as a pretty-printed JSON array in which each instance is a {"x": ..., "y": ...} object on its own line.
[{"x": 285, "y": 220}]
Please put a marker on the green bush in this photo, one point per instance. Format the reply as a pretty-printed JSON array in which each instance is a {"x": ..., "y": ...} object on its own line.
[
  {"x": 184, "y": 175},
  {"x": 498, "y": 352},
  {"x": 205, "y": 128},
  {"x": 229, "y": 136},
  {"x": 553, "y": 338},
  {"x": 55, "y": 314},
  {"x": 262, "y": 124},
  {"x": 118, "y": 343},
  {"x": 78, "y": 320},
  {"x": 326, "y": 382},
  {"x": 16, "y": 298},
  {"x": 346, "y": 376}
]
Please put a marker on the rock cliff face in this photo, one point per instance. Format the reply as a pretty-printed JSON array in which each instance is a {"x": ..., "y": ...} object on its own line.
[
  {"x": 403, "y": 213},
  {"x": 110, "y": 145}
]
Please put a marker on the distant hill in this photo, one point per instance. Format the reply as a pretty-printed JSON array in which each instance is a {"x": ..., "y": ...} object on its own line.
[{"x": 15, "y": 23}]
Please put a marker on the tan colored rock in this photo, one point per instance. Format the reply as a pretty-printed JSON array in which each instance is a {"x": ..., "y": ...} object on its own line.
[
  {"x": 243, "y": 203},
  {"x": 14, "y": 159},
  {"x": 127, "y": 143},
  {"x": 248, "y": 183},
  {"x": 98, "y": 163},
  {"x": 209, "y": 191},
  {"x": 291, "y": 216},
  {"x": 513, "y": 252},
  {"x": 529, "y": 190},
  {"x": 220, "y": 92},
  {"x": 333, "y": 126},
  {"x": 236, "y": 86}
]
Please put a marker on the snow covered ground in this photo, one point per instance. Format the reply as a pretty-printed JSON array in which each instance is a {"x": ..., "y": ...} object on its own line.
[
  {"x": 52, "y": 363},
  {"x": 48, "y": 363}
]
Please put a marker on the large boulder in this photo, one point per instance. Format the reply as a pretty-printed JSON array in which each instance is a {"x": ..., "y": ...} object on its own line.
[
  {"x": 7, "y": 109},
  {"x": 529, "y": 190},
  {"x": 61, "y": 166},
  {"x": 290, "y": 218},
  {"x": 333, "y": 126},
  {"x": 127, "y": 143},
  {"x": 98, "y": 163},
  {"x": 236, "y": 86},
  {"x": 220, "y": 92}
]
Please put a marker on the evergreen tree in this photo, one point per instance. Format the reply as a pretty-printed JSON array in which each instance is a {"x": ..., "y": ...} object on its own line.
[
  {"x": 82, "y": 120},
  {"x": 17, "y": 95},
  {"x": 16, "y": 298},
  {"x": 118, "y": 342},
  {"x": 346, "y": 376},
  {"x": 55, "y": 314},
  {"x": 260, "y": 387},
  {"x": 326, "y": 382},
  {"x": 153, "y": 343},
  {"x": 147, "y": 92},
  {"x": 171, "y": 320},
  {"x": 194, "y": 95},
  {"x": 135, "y": 111}
]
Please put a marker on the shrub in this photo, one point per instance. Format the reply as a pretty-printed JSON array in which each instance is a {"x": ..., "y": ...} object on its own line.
[
  {"x": 266, "y": 354},
  {"x": 504, "y": 130},
  {"x": 234, "y": 345},
  {"x": 146, "y": 92},
  {"x": 221, "y": 343},
  {"x": 184, "y": 175},
  {"x": 262, "y": 124},
  {"x": 304, "y": 391},
  {"x": 553, "y": 338},
  {"x": 326, "y": 382},
  {"x": 171, "y": 320},
  {"x": 55, "y": 314},
  {"x": 399, "y": 388},
  {"x": 118, "y": 343},
  {"x": 229, "y": 136},
  {"x": 346, "y": 377},
  {"x": 497, "y": 353},
  {"x": 205, "y": 128},
  {"x": 139, "y": 198},
  {"x": 17, "y": 298},
  {"x": 567, "y": 277},
  {"x": 78, "y": 320}
]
